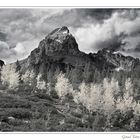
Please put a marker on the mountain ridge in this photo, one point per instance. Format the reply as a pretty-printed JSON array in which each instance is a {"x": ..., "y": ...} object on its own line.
[{"x": 59, "y": 52}]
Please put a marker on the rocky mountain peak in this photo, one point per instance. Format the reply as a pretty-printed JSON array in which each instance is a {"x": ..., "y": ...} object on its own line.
[
  {"x": 59, "y": 40},
  {"x": 59, "y": 50},
  {"x": 59, "y": 34},
  {"x": 57, "y": 44},
  {"x": 59, "y": 31}
]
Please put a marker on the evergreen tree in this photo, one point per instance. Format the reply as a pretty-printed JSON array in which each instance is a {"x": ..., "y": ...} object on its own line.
[{"x": 18, "y": 67}]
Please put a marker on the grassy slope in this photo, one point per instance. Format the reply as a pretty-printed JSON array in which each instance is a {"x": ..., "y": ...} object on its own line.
[{"x": 27, "y": 110}]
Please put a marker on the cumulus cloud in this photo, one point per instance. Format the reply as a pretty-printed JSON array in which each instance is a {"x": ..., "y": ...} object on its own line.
[
  {"x": 5, "y": 52},
  {"x": 120, "y": 32},
  {"x": 22, "y": 29}
]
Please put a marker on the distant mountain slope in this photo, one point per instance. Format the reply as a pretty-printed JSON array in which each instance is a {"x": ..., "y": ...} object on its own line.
[{"x": 117, "y": 60}]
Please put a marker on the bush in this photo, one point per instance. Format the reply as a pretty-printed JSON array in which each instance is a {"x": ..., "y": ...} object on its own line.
[
  {"x": 97, "y": 97},
  {"x": 9, "y": 76},
  {"x": 40, "y": 83},
  {"x": 28, "y": 77},
  {"x": 19, "y": 113},
  {"x": 104, "y": 99}
]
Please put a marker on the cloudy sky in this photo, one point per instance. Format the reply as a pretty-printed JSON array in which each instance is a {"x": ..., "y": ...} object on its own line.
[{"x": 21, "y": 30}]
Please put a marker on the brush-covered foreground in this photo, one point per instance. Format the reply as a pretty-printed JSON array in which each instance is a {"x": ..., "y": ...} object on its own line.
[
  {"x": 28, "y": 103},
  {"x": 30, "y": 110}
]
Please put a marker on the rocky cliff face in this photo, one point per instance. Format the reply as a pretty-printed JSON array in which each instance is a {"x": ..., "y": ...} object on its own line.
[{"x": 59, "y": 50}]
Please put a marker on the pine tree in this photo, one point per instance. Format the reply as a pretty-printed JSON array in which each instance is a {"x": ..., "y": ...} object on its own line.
[{"x": 18, "y": 67}]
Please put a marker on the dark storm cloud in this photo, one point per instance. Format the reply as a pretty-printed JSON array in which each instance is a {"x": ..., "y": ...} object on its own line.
[
  {"x": 2, "y": 36},
  {"x": 98, "y": 14},
  {"x": 78, "y": 17}
]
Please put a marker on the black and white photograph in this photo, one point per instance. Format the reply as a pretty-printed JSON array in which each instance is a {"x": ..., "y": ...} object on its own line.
[{"x": 69, "y": 69}]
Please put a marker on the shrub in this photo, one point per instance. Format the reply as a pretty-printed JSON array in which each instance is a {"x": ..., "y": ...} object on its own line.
[
  {"x": 128, "y": 88},
  {"x": 40, "y": 84},
  {"x": 97, "y": 97},
  {"x": 28, "y": 77},
  {"x": 88, "y": 96},
  {"x": 63, "y": 86},
  {"x": 137, "y": 109},
  {"x": 126, "y": 102},
  {"x": 110, "y": 89},
  {"x": 9, "y": 76},
  {"x": 118, "y": 110}
]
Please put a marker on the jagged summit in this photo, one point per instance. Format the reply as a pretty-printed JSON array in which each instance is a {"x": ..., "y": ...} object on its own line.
[
  {"x": 59, "y": 40},
  {"x": 59, "y": 35},
  {"x": 60, "y": 31},
  {"x": 57, "y": 45}
]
